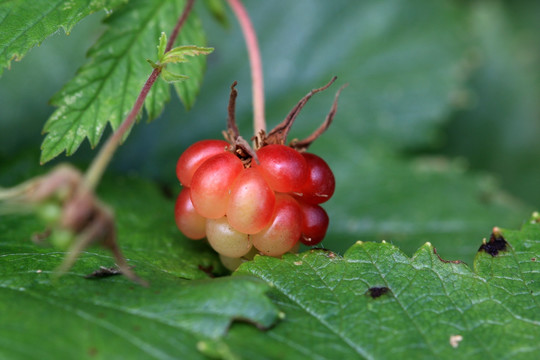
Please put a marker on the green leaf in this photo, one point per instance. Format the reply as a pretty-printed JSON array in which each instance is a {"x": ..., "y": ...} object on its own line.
[
  {"x": 178, "y": 54},
  {"x": 376, "y": 303},
  {"x": 110, "y": 317},
  {"x": 162, "y": 45},
  {"x": 171, "y": 77},
  {"x": 26, "y": 23},
  {"x": 105, "y": 89}
]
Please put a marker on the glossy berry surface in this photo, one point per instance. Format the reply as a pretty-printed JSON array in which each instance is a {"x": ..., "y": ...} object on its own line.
[
  {"x": 320, "y": 184},
  {"x": 212, "y": 182},
  {"x": 194, "y": 156},
  {"x": 187, "y": 219},
  {"x": 284, "y": 168},
  {"x": 284, "y": 230},
  {"x": 226, "y": 240},
  {"x": 251, "y": 202},
  {"x": 314, "y": 223}
]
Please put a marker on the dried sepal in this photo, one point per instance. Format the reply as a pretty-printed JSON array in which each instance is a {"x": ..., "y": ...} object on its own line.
[
  {"x": 239, "y": 146},
  {"x": 278, "y": 135},
  {"x": 302, "y": 145}
]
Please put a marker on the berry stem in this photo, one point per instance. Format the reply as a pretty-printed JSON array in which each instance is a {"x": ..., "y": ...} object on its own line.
[
  {"x": 259, "y": 123},
  {"x": 97, "y": 167}
]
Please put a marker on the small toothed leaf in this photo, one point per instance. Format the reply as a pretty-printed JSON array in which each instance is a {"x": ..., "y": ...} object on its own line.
[
  {"x": 105, "y": 89},
  {"x": 162, "y": 45},
  {"x": 152, "y": 64},
  {"x": 178, "y": 54},
  {"x": 172, "y": 77},
  {"x": 26, "y": 23}
]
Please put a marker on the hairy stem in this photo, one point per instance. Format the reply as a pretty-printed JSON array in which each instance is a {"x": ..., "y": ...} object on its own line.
[
  {"x": 259, "y": 123},
  {"x": 98, "y": 166}
]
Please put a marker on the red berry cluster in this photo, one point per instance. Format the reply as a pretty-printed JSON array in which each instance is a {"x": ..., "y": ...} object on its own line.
[
  {"x": 270, "y": 205},
  {"x": 243, "y": 200}
]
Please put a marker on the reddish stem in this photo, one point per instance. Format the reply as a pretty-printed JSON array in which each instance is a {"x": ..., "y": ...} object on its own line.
[
  {"x": 98, "y": 166},
  {"x": 179, "y": 24},
  {"x": 255, "y": 62}
]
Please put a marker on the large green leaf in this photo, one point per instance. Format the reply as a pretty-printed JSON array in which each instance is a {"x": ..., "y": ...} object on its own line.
[
  {"x": 377, "y": 303},
  {"x": 26, "y": 23},
  {"x": 105, "y": 89},
  {"x": 75, "y": 317},
  {"x": 404, "y": 65}
]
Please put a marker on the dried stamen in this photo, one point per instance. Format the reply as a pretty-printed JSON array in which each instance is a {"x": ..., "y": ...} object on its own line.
[
  {"x": 232, "y": 128},
  {"x": 278, "y": 135},
  {"x": 302, "y": 145}
]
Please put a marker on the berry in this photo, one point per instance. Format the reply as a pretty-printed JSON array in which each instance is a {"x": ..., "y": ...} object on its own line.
[
  {"x": 320, "y": 183},
  {"x": 212, "y": 182},
  {"x": 251, "y": 203},
  {"x": 190, "y": 223},
  {"x": 232, "y": 263},
  {"x": 314, "y": 223},
  {"x": 263, "y": 199},
  {"x": 226, "y": 240},
  {"x": 194, "y": 156},
  {"x": 284, "y": 230},
  {"x": 284, "y": 168}
]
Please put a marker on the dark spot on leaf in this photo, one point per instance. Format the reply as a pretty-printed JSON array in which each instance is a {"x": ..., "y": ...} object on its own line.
[
  {"x": 495, "y": 244},
  {"x": 136, "y": 328},
  {"x": 103, "y": 272},
  {"x": 533, "y": 259},
  {"x": 100, "y": 315},
  {"x": 446, "y": 261},
  {"x": 376, "y": 292}
]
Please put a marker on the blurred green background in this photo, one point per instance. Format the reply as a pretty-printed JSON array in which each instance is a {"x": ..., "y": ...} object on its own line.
[{"x": 435, "y": 139}]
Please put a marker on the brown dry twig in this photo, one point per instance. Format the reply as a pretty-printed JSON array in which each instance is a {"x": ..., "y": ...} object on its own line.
[{"x": 85, "y": 217}]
